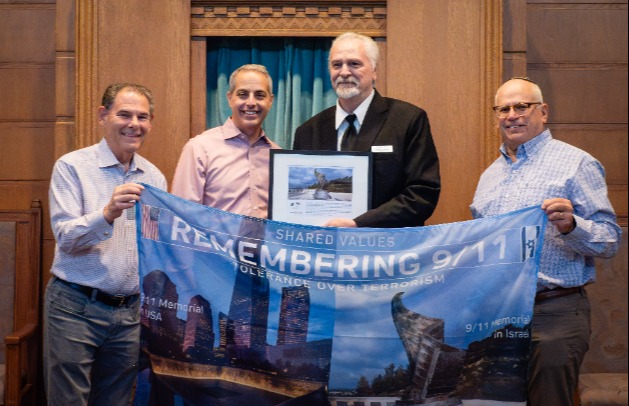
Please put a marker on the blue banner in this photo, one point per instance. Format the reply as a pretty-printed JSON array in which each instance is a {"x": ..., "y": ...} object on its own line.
[{"x": 243, "y": 311}]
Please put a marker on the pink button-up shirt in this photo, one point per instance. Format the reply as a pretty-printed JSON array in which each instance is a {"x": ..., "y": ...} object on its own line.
[{"x": 220, "y": 169}]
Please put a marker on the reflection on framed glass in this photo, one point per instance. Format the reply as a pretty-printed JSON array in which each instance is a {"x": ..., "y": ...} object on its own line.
[{"x": 312, "y": 187}]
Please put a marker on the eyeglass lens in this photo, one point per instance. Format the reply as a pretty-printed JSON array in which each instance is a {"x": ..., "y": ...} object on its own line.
[{"x": 520, "y": 109}]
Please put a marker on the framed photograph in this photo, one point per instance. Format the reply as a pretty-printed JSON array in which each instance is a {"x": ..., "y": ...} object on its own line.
[{"x": 312, "y": 187}]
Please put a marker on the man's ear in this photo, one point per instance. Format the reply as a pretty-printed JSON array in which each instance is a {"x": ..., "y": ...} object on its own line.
[
  {"x": 102, "y": 113},
  {"x": 545, "y": 111}
]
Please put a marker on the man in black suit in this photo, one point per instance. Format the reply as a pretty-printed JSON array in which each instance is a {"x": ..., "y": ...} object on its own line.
[{"x": 406, "y": 182}]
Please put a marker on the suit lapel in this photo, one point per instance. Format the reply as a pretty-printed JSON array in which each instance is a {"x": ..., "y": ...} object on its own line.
[
  {"x": 329, "y": 139},
  {"x": 374, "y": 120}
]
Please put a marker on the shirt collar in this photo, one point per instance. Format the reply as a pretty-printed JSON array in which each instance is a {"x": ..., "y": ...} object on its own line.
[
  {"x": 360, "y": 111},
  {"x": 530, "y": 147},
  {"x": 231, "y": 131},
  {"x": 107, "y": 158}
]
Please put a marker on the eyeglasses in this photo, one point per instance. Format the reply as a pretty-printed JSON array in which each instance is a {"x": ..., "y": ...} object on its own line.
[{"x": 520, "y": 109}]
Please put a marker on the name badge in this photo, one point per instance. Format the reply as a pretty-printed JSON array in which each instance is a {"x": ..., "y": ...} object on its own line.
[{"x": 382, "y": 148}]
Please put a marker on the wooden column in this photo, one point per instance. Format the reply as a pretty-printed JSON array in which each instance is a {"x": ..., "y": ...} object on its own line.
[{"x": 446, "y": 57}]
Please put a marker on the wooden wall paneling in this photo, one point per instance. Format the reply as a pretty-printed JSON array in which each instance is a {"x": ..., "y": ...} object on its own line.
[
  {"x": 198, "y": 85},
  {"x": 577, "y": 52},
  {"x": 582, "y": 93},
  {"x": 20, "y": 194},
  {"x": 65, "y": 103},
  {"x": 27, "y": 83},
  {"x": 157, "y": 56},
  {"x": 569, "y": 32},
  {"x": 381, "y": 82},
  {"x": 607, "y": 351},
  {"x": 64, "y": 85},
  {"x": 514, "y": 64},
  {"x": 618, "y": 197},
  {"x": 514, "y": 39},
  {"x": 26, "y": 150},
  {"x": 118, "y": 43},
  {"x": 65, "y": 111},
  {"x": 446, "y": 57},
  {"x": 20, "y": 42},
  {"x": 65, "y": 137},
  {"x": 28, "y": 3},
  {"x": 27, "y": 114},
  {"x": 65, "y": 26},
  {"x": 514, "y": 31},
  {"x": 32, "y": 91}
]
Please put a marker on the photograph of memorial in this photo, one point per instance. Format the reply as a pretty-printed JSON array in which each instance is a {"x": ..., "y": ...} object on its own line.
[{"x": 320, "y": 183}]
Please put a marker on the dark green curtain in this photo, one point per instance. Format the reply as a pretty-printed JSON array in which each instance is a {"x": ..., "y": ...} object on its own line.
[{"x": 301, "y": 81}]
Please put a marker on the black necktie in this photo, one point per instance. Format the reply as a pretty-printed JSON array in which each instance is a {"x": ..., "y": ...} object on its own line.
[{"x": 349, "y": 138}]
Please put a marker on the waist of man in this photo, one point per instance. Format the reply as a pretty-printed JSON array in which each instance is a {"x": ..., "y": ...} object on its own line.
[{"x": 99, "y": 295}]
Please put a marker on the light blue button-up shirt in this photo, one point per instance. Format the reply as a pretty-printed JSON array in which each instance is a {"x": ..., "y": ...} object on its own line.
[
  {"x": 547, "y": 168},
  {"x": 89, "y": 250}
]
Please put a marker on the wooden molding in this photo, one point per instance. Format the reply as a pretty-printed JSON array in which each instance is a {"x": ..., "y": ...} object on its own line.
[
  {"x": 198, "y": 88},
  {"x": 289, "y": 3},
  {"x": 86, "y": 73},
  {"x": 319, "y": 18},
  {"x": 491, "y": 60}
]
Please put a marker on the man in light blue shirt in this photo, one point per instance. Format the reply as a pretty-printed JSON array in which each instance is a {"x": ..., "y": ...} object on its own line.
[
  {"x": 569, "y": 185},
  {"x": 92, "y": 307}
]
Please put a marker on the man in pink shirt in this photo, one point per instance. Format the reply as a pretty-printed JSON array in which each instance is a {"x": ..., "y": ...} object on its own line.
[{"x": 227, "y": 167}]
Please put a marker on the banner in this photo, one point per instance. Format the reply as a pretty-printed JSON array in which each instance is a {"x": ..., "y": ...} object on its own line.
[{"x": 242, "y": 311}]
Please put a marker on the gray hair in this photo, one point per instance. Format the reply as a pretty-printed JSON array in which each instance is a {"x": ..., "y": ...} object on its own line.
[
  {"x": 252, "y": 67},
  {"x": 371, "y": 47},
  {"x": 109, "y": 96}
]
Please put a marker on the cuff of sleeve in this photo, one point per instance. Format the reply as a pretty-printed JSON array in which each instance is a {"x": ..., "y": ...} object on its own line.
[
  {"x": 578, "y": 232},
  {"x": 102, "y": 228}
]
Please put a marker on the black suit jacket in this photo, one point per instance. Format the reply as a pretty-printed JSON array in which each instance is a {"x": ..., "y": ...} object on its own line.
[{"x": 406, "y": 182}]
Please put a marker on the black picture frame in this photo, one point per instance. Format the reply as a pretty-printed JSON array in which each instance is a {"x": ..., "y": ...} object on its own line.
[{"x": 312, "y": 187}]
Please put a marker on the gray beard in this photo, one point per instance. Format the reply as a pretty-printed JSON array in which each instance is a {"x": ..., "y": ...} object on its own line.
[{"x": 347, "y": 93}]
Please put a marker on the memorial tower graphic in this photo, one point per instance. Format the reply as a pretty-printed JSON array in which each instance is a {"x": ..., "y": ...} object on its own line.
[
  {"x": 248, "y": 312},
  {"x": 294, "y": 312},
  {"x": 434, "y": 365}
]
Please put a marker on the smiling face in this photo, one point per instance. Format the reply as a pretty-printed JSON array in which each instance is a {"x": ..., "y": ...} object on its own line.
[
  {"x": 351, "y": 72},
  {"x": 516, "y": 129},
  {"x": 250, "y": 102},
  {"x": 126, "y": 123}
]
